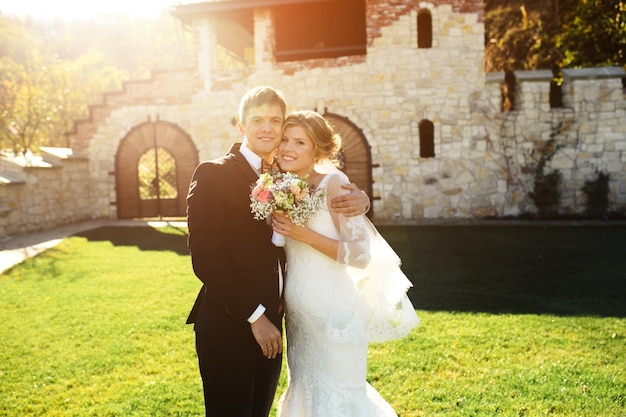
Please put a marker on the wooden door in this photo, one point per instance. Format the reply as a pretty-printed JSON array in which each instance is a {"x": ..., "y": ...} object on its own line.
[
  {"x": 153, "y": 167},
  {"x": 356, "y": 155}
]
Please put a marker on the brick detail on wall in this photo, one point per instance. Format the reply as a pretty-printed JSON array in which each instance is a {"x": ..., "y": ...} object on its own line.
[{"x": 171, "y": 87}]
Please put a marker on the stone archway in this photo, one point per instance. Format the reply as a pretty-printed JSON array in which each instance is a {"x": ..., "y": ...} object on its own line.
[
  {"x": 153, "y": 166},
  {"x": 356, "y": 154}
]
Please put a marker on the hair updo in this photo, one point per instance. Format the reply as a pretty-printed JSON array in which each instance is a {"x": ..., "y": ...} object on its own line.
[{"x": 327, "y": 142}]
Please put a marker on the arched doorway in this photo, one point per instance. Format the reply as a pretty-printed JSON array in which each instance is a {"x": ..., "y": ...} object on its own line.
[
  {"x": 153, "y": 166},
  {"x": 356, "y": 154}
]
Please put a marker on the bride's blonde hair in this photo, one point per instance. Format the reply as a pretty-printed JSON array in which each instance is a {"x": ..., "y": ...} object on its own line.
[{"x": 327, "y": 142}]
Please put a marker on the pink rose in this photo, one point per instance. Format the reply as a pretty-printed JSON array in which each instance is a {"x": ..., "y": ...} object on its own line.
[
  {"x": 299, "y": 193},
  {"x": 295, "y": 190},
  {"x": 256, "y": 190},
  {"x": 264, "y": 196}
]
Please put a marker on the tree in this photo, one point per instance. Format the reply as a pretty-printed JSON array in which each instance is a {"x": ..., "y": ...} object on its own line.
[
  {"x": 520, "y": 35},
  {"x": 595, "y": 34},
  {"x": 539, "y": 34},
  {"x": 50, "y": 72},
  {"x": 76, "y": 84},
  {"x": 135, "y": 46},
  {"x": 27, "y": 107}
]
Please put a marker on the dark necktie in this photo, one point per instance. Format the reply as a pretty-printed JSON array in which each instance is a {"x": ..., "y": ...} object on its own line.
[{"x": 265, "y": 166}]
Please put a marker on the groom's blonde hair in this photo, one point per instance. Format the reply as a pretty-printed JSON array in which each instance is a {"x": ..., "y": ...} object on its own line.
[{"x": 261, "y": 96}]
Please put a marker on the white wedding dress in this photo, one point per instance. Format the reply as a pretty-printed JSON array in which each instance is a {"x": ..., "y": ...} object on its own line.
[{"x": 327, "y": 320}]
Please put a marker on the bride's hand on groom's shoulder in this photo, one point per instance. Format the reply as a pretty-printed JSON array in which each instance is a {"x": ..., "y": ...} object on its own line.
[{"x": 354, "y": 203}]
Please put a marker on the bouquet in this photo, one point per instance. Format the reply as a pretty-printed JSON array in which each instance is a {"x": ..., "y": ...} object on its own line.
[{"x": 286, "y": 192}]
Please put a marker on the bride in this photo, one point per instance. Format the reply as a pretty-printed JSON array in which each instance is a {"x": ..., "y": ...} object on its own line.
[{"x": 344, "y": 288}]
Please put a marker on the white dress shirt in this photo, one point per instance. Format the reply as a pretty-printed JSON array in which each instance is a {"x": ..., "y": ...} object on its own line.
[{"x": 256, "y": 163}]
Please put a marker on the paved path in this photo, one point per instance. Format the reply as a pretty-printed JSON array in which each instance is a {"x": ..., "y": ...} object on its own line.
[{"x": 16, "y": 249}]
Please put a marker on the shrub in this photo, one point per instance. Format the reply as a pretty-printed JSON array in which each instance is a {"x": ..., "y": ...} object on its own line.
[
  {"x": 597, "y": 192},
  {"x": 546, "y": 194}
]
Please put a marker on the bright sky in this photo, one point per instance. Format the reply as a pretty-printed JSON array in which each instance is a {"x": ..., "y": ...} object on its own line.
[{"x": 83, "y": 9}]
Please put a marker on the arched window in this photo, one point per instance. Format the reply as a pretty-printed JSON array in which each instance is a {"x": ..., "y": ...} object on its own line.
[
  {"x": 424, "y": 29},
  {"x": 157, "y": 175},
  {"x": 427, "y": 139}
]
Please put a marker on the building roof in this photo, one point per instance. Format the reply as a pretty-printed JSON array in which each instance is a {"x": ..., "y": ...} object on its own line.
[{"x": 186, "y": 11}]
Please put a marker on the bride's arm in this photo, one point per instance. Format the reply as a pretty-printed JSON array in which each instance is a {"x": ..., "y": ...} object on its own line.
[
  {"x": 352, "y": 248},
  {"x": 282, "y": 224},
  {"x": 352, "y": 203}
]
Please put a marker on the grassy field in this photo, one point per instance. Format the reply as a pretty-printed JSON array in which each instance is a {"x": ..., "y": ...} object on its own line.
[{"x": 516, "y": 321}]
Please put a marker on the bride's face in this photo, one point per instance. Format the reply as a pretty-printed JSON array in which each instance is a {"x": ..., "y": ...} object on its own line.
[{"x": 296, "y": 151}]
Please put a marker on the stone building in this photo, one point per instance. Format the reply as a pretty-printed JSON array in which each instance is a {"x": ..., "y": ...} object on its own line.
[{"x": 426, "y": 132}]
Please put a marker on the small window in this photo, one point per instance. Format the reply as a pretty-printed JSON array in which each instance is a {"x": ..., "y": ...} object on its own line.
[
  {"x": 556, "y": 88},
  {"x": 427, "y": 139},
  {"x": 508, "y": 90},
  {"x": 424, "y": 29}
]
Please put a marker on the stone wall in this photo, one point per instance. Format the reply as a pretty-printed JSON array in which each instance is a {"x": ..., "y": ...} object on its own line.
[
  {"x": 41, "y": 192},
  {"x": 483, "y": 157},
  {"x": 589, "y": 131}
]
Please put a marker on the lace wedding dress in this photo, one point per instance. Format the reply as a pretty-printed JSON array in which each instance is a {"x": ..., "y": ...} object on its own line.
[{"x": 329, "y": 321}]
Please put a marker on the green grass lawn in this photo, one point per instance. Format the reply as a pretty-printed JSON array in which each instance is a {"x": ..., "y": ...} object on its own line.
[{"x": 516, "y": 321}]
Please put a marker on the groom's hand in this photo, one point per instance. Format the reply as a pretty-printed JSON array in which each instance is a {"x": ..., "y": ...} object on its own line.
[
  {"x": 268, "y": 337},
  {"x": 352, "y": 204}
]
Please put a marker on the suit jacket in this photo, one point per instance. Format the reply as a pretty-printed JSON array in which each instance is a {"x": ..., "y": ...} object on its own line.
[{"x": 231, "y": 253}]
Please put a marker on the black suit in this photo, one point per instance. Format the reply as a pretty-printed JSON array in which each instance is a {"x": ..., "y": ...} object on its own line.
[{"x": 232, "y": 255}]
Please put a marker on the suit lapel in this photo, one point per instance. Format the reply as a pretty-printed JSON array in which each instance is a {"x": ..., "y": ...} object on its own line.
[{"x": 242, "y": 164}]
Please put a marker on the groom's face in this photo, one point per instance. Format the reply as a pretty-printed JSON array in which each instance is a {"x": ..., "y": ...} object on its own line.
[{"x": 263, "y": 129}]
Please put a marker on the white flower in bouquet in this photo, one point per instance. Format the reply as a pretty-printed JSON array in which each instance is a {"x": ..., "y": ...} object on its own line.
[{"x": 286, "y": 192}]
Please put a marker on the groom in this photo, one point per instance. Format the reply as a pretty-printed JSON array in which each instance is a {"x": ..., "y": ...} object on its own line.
[{"x": 237, "y": 315}]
